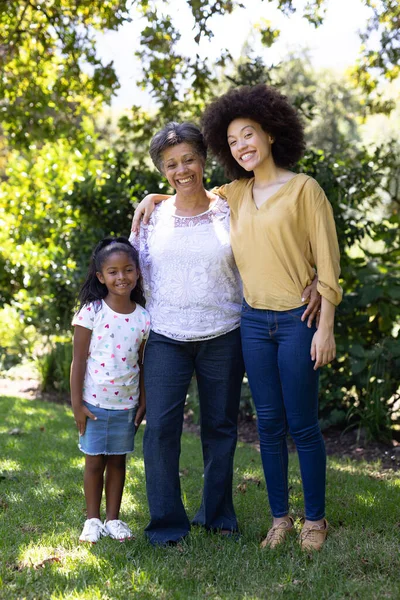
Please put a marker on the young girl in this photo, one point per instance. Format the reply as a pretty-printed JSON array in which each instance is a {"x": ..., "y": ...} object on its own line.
[{"x": 107, "y": 393}]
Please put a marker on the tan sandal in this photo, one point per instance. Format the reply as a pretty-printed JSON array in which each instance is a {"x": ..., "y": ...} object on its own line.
[
  {"x": 312, "y": 537},
  {"x": 277, "y": 534}
]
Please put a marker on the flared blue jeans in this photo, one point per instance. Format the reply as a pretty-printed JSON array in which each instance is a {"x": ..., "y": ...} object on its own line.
[{"x": 168, "y": 368}]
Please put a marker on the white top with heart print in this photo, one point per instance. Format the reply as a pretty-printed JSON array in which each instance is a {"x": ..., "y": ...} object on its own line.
[{"x": 112, "y": 369}]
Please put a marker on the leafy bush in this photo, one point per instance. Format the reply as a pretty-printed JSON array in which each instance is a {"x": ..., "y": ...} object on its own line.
[
  {"x": 17, "y": 340},
  {"x": 54, "y": 368},
  {"x": 57, "y": 202}
]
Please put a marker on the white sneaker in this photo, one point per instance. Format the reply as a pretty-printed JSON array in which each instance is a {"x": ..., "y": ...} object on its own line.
[
  {"x": 92, "y": 531},
  {"x": 118, "y": 530}
]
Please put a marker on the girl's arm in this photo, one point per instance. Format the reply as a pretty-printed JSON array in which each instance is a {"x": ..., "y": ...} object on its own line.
[
  {"x": 145, "y": 208},
  {"x": 323, "y": 347},
  {"x": 78, "y": 369},
  {"x": 141, "y": 411}
]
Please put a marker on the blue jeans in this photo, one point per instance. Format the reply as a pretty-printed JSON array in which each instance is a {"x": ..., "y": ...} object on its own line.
[
  {"x": 168, "y": 368},
  {"x": 284, "y": 386}
]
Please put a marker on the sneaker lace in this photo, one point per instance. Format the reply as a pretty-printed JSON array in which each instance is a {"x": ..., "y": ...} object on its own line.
[
  {"x": 94, "y": 525},
  {"x": 120, "y": 528},
  {"x": 275, "y": 533},
  {"x": 311, "y": 533}
]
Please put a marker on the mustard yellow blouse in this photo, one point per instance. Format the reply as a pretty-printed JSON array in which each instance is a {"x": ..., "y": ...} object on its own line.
[{"x": 277, "y": 246}]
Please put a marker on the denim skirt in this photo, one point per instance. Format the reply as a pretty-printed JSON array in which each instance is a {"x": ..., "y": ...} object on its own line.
[{"x": 113, "y": 432}]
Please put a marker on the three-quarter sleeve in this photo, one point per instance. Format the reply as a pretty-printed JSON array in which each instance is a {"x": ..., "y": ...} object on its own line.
[{"x": 325, "y": 248}]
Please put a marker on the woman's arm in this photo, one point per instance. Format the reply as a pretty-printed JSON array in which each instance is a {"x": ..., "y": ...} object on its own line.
[
  {"x": 82, "y": 338},
  {"x": 145, "y": 208},
  {"x": 325, "y": 251},
  {"x": 323, "y": 346},
  {"x": 314, "y": 303}
]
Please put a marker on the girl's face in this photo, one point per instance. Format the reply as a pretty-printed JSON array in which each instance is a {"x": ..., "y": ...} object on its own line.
[
  {"x": 183, "y": 168},
  {"x": 119, "y": 274},
  {"x": 250, "y": 145}
]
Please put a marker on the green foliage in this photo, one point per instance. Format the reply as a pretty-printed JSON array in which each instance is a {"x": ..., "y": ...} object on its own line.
[
  {"x": 384, "y": 59},
  {"x": 54, "y": 367},
  {"x": 51, "y": 75},
  {"x": 368, "y": 346},
  {"x": 17, "y": 339},
  {"x": 37, "y": 221},
  {"x": 94, "y": 194},
  {"x": 63, "y": 188},
  {"x": 168, "y": 74}
]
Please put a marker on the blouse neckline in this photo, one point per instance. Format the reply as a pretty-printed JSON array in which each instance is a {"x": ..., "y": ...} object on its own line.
[
  {"x": 170, "y": 203},
  {"x": 275, "y": 194}
]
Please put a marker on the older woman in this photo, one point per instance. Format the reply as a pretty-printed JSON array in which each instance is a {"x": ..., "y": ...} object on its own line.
[{"x": 194, "y": 297}]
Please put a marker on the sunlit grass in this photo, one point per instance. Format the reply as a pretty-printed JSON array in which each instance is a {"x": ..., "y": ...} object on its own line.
[
  {"x": 42, "y": 511},
  {"x": 8, "y": 465}
]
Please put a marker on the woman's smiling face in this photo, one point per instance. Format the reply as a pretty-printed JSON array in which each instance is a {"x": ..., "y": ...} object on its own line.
[
  {"x": 183, "y": 168},
  {"x": 250, "y": 145}
]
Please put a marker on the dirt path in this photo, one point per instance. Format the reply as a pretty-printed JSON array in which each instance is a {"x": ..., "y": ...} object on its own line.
[{"x": 27, "y": 388}]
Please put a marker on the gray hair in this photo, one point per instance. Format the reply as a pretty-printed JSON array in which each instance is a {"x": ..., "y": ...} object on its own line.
[{"x": 172, "y": 135}]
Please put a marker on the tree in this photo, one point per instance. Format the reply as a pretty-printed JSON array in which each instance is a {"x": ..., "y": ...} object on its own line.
[
  {"x": 64, "y": 188},
  {"x": 51, "y": 76},
  {"x": 382, "y": 59}
]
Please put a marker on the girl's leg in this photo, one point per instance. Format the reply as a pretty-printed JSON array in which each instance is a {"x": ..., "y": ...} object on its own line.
[
  {"x": 115, "y": 480},
  {"x": 260, "y": 352},
  {"x": 93, "y": 481},
  {"x": 219, "y": 370},
  {"x": 300, "y": 392}
]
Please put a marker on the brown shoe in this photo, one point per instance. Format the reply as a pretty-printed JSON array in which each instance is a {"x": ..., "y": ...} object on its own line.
[
  {"x": 277, "y": 535},
  {"x": 312, "y": 537}
]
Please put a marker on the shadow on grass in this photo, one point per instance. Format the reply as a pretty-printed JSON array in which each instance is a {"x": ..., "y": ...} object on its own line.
[{"x": 42, "y": 512}]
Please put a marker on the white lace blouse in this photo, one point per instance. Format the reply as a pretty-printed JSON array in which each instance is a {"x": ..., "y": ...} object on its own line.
[{"x": 191, "y": 282}]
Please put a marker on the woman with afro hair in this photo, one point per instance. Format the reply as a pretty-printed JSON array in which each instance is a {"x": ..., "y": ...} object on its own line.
[{"x": 281, "y": 227}]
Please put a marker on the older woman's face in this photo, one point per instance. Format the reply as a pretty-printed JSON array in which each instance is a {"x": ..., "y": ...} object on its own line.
[{"x": 183, "y": 168}]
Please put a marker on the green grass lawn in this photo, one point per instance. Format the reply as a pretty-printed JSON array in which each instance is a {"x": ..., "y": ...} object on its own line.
[{"x": 42, "y": 511}]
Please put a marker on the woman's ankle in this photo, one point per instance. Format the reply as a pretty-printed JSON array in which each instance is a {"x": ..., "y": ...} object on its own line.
[
  {"x": 320, "y": 524},
  {"x": 278, "y": 520}
]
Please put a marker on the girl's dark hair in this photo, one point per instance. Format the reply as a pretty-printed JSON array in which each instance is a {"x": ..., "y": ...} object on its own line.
[
  {"x": 93, "y": 289},
  {"x": 266, "y": 106},
  {"x": 172, "y": 135}
]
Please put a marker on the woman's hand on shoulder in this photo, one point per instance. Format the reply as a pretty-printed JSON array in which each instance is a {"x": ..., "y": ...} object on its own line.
[{"x": 144, "y": 210}]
